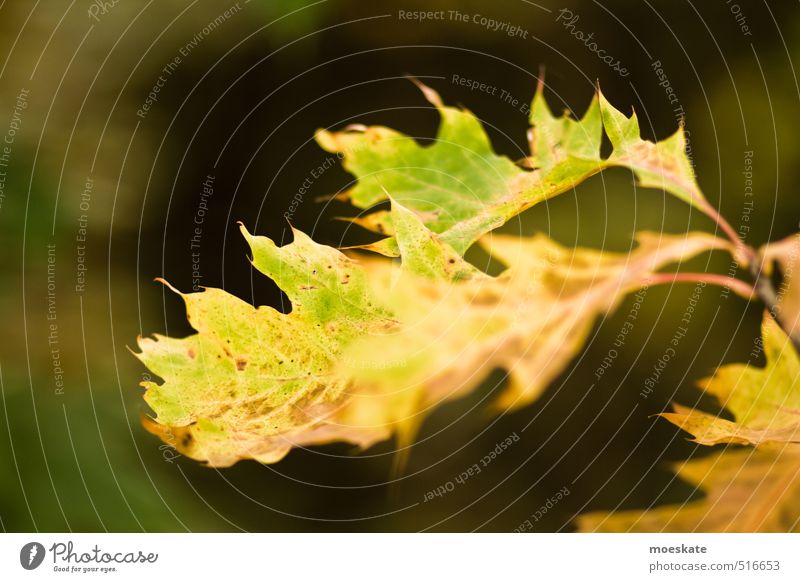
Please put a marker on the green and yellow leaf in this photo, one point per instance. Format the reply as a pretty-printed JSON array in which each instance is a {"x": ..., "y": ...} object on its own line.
[
  {"x": 765, "y": 402},
  {"x": 369, "y": 347},
  {"x": 253, "y": 382},
  {"x": 557, "y": 139},
  {"x": 531, "y": 320},
  {"x": 663, "y": 165},
  {"x": 461, "y": 189},
  {"x": 745, "y": 491}
]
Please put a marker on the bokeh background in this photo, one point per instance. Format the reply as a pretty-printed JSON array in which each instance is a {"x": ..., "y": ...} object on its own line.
[{"x": 242, "y": 105}]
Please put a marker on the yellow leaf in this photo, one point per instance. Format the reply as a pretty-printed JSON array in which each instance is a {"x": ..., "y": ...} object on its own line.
[
  {"x": 370, "y": 347},
  {"x": 764, "y": 401},
  {"x": 462, "y": 189},
  {"x": 254, "y": 382},
  {"x": 531, "y": 321},
  {"x": 746, "y": 490}
]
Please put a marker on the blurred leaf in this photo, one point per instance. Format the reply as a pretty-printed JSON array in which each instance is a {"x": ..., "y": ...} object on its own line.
[
  {"x": 745, "y": 491},
  {"x": 531, "y": 320},
  {"x": 253, "y": 382}
]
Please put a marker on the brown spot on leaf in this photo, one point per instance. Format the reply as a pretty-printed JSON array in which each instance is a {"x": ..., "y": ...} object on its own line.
[
  {"x": 241, "y": 364},
  {"x": 485, "y": 297}
]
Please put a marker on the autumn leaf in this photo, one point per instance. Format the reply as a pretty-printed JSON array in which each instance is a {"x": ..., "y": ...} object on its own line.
[
  {"x": 461, "y": 189},
  {"x": 764, "y": 401},
  {"x": 368, "y": 347},
  {"x": 454, "y": 180},
  {"x": 531, "y": 321},
  {"x": 558, "y": 139},
  {"x": 253, "y": 382},
  {"x": 745, "y": 490}
]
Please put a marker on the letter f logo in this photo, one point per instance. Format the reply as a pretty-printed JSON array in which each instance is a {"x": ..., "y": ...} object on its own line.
[{"x": 31, "y": 555}]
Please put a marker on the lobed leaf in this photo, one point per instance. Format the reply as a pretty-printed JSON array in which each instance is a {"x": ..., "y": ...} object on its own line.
[
  {"x": 462, "y": 190},
  {"x": 764, "y": 401},
  {"x": 663, "y": 165},
  {"x": 557, "y": 139},
  {"x": 531, "y": 321},
  {"x": 746, "y": 491},
  {"x": 253, "y": 382},
  {"x": 370, "y": 347}
]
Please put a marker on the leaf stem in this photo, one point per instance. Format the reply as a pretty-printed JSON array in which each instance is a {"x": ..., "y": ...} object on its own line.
[
  {"x": 739, "y": 287},
  {"x": 744, "y": 252},
  {"x": 762, "y": 286}
]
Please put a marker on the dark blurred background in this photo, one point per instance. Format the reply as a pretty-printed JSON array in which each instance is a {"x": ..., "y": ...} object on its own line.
[{"x": 254, "y": 81}]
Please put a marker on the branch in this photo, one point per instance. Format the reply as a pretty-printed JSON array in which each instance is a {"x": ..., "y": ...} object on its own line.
[
  {"x": 742, "y": 252},
  {"x": 762, "y": 285},
  {"x": 766, "y": 292}
]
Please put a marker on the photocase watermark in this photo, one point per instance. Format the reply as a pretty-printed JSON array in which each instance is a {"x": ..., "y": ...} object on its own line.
[
  {"x": 738, "y": 15},
  {"x": 67, "y": 559},
  {"x": 206, "y": 192},
  {"x": 421, "y": 15},
  {"x": 169, "y": 69},
  {"x": 568, "y": 19},
  {"x": 788, "y": 275},
  {"x": 14, "y": 126},
  {"x": 31, "y": 555},
  {"x": 551, "y": 502},
  {"x": 100, "y": 8},
  {"x": 314, "y": 175},
  {"x": 152, "y": 96},
  {"x": 671, "y": 351},
  {"x": 677, "y": 109},
  {"x": 507, "y": 28},
  {"x": 472, "y": 471},
  {"x": 502, "y": 94},
  {"x": 377, "y": 364},
  {"x": 491, "y": 24},
  {"x": 84, "y": 205},
  {"x": 748, "y": 206},
  {"x": 624, "y": 330},
  {"x": 169, "y": 450},
  {"x": 51, "y": 313},
  {"x": 758, "y": 348}
]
